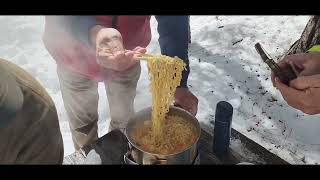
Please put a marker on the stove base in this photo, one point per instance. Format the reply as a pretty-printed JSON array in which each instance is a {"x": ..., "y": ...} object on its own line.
[{"x": 129, "y": 161}]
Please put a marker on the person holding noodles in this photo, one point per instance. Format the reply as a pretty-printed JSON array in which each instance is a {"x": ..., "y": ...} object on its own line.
[{"x": 90, "y": 49}]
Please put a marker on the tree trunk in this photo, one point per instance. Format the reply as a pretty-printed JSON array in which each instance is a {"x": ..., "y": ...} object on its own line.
[{"x": 310, "y": 37}]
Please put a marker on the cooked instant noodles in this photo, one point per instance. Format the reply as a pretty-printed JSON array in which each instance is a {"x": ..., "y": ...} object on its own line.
[
  {"x": 179, "y": 135},
  {"x": 166, "y": 134}
]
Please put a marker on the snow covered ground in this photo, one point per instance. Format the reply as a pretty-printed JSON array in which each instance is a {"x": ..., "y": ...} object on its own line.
[{"x": 224, "y": 66}]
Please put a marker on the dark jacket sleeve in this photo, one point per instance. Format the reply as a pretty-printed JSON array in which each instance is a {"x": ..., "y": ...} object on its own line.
[
  {"x": 11, "y": 98},
  {"x": 174, "y": 38},
  {"x": 77, "y": 26}
]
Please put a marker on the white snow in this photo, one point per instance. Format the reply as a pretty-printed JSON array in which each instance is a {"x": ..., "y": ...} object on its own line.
[{"x": 219, "y": 71}]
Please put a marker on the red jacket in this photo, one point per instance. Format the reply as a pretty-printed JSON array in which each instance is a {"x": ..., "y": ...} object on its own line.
[
  {"x": 69, "y": 52},
  {"x": 67, "y": 39}
]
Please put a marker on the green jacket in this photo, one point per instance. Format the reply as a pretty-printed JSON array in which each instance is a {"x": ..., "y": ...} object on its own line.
[{"x": 315, "y": 48}]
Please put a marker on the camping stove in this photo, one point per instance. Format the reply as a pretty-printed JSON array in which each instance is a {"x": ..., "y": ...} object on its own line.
[{"x": 129, "y": 160}]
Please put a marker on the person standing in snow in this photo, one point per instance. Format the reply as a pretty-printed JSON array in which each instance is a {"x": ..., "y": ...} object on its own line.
[
  {"x": 29, "y": 127},
  {"x": 303, "y": 93},
  {"x": 74, "y": 42}
]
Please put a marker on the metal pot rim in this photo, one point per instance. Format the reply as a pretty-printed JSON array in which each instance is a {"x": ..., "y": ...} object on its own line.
[{"x": 166, "y": 155}]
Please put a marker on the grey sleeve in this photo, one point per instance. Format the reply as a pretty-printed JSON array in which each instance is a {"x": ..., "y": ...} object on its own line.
[
  {"x": 76, "y": 26},
  {"x": 11, "y": 97}
]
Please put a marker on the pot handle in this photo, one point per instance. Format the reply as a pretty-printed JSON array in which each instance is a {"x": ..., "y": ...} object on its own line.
[
  {"x": 159, "y": 161},
  {"x": 128, "y": 160},
  {"x": 123, "y": 130}
]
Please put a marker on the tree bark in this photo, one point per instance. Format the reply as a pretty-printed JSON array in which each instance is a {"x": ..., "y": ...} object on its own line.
[{"x": 310, "y": 37}]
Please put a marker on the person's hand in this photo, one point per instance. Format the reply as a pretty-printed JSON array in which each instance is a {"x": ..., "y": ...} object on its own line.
[
  {"x": 183, "y": 97},
  {"x": 303, "y": 93},
  {"x": 305, "y": 63},
  {"x": 112, "y": 74},
  {"x": 110, "y": 50}
]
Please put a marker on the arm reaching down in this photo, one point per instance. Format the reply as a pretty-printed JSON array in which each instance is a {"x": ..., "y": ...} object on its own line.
[{"x": 174, "y": 38}]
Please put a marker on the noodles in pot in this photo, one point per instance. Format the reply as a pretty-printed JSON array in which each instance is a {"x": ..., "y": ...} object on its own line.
[
  {"x": 179, "y": 134},
  {"x": 166, "y": 134}
]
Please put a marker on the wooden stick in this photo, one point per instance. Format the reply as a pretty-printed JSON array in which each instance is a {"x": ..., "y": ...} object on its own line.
[
  {"x": 294, "y": 69},
  {"x": 144, "y": 57}
]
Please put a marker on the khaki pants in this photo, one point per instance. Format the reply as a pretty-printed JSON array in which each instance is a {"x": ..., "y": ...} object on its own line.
[
  {"x": 33, "y": 136},
  {"x": 80, "y": 97}
]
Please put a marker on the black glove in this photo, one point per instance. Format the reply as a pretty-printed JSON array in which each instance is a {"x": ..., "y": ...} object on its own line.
[{"x": 109, "y": 149}]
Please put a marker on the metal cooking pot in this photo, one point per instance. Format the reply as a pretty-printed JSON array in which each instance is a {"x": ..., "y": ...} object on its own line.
[{"x": 140, "y": 156}]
